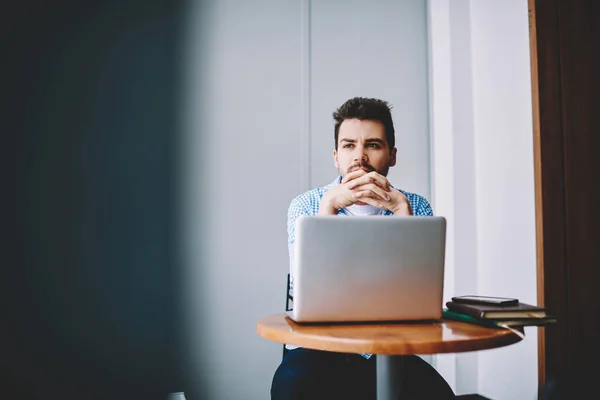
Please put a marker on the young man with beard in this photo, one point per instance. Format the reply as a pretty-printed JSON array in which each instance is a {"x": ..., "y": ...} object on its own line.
[{"x": 364, "y": 151}]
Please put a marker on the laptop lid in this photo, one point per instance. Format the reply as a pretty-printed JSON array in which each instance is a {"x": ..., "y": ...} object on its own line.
[{"x": 368, "y": 268}]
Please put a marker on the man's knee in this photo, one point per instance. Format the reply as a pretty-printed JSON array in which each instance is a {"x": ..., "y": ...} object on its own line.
[
  {"x": 285, "y": 384},
  {"x": 303, "y": 374},
  {"x": 293, "y": 379}
]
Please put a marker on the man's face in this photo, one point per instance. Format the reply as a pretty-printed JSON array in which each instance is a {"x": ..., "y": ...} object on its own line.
[{"x": 362, "y": 144}]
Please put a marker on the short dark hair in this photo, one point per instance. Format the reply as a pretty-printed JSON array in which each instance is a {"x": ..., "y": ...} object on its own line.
[{"x": 365, "y": 108}]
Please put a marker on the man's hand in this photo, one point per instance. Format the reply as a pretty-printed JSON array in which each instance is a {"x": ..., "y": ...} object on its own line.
[
  {"x": 341, "y": 196},
  {"x": 365, "y": 190},
  {"x": 361, "y": 187}
]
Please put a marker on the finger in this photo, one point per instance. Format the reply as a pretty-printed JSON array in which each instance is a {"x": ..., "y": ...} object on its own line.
[
  {"x": 372, "y": 202},
  {"x": 371, "y": 177},
  {"x": 353, "y": 175},
  {"x": 359, "y": 181},
  {"x": 370, "y": 194},
  {"x": 385, "y": 195},
  {"x": 379, "y": 179}
]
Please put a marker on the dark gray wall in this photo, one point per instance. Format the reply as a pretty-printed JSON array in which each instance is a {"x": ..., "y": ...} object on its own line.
[{"x": 88, "y": 260}]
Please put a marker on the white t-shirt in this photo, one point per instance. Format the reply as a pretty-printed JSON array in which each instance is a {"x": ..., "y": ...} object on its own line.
[{"x": 366, "y": 209}]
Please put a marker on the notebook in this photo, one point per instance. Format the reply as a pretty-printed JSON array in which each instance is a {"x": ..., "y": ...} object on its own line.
[
  {"x": 368, "y": 268},
  {"x": 520, "y": 310}
]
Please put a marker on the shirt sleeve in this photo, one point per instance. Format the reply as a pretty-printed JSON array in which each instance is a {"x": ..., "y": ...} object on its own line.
[
  {"x": 422, "y": 207},
  {"x": 295, "y": 210}
]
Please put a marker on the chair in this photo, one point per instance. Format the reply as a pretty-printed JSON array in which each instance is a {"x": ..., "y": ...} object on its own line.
[{"x": 288, "y": 298}]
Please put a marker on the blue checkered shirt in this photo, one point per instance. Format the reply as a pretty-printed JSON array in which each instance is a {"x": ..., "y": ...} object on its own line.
[{"x": 308, "y": 204}]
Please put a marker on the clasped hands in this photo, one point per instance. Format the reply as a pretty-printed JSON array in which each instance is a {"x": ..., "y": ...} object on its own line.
[{"x": 362, "y": 187}]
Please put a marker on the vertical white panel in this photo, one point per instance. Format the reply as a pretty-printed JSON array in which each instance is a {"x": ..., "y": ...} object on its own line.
[
  {"x": 442, "y": 150},
  {"x": 465, "y": 191},
  {"x": 371, "y": 49},
  {"x": 505, "y": 186},
  {"x": 483, "y": 174},
  {"x": 305, "y": 91}
]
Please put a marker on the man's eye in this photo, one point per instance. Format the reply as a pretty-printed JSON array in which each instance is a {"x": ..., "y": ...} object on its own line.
[
  {"x": 348, "y": 145},
  {"x": 374, "y": 145}
]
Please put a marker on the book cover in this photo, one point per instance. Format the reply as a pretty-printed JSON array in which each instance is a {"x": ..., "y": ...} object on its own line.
[
  {"x": 456, "y": 316},
  {"x": 520, "y": 310},
  {"x": 494, "y": 323}
]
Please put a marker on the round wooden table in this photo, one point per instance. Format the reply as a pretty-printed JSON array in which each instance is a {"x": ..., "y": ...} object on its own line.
[{"x": 389, "y": 341}]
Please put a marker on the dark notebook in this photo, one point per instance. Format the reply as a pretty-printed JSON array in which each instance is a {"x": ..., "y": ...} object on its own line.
[
  {"x": 520, "y": 310},
  {"x": 497, "y": 323}
]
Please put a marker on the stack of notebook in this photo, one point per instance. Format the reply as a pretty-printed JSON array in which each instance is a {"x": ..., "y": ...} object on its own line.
[{"x": 514, "y": 314}]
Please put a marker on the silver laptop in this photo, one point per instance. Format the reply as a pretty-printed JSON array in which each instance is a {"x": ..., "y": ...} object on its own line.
[{"x": 368, "y": 268}]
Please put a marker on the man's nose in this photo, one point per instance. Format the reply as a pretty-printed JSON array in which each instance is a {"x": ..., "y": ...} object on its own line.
[{"x": 360, "y": 155}]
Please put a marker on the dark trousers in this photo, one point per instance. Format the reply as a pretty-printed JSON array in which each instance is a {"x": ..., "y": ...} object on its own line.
[{"x": 311, "y": 374}]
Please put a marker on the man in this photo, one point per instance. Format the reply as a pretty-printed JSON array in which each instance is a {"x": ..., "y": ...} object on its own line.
[{"x": 364, "y": 152}]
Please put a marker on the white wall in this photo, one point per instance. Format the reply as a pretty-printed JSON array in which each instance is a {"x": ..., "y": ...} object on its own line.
[
  {"x": 263, "y": 79},
  {"x": 482, "y": 176}
]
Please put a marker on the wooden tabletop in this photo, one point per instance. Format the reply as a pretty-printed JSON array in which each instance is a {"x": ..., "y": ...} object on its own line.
[{"x": 393, "y": 338}]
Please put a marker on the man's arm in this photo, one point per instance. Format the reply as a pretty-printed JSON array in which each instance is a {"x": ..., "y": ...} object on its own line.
[
  {"x": 406, "y": 203},
  {"x": 422, "y": 207},
  {"x": 397, "y": 201}
]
